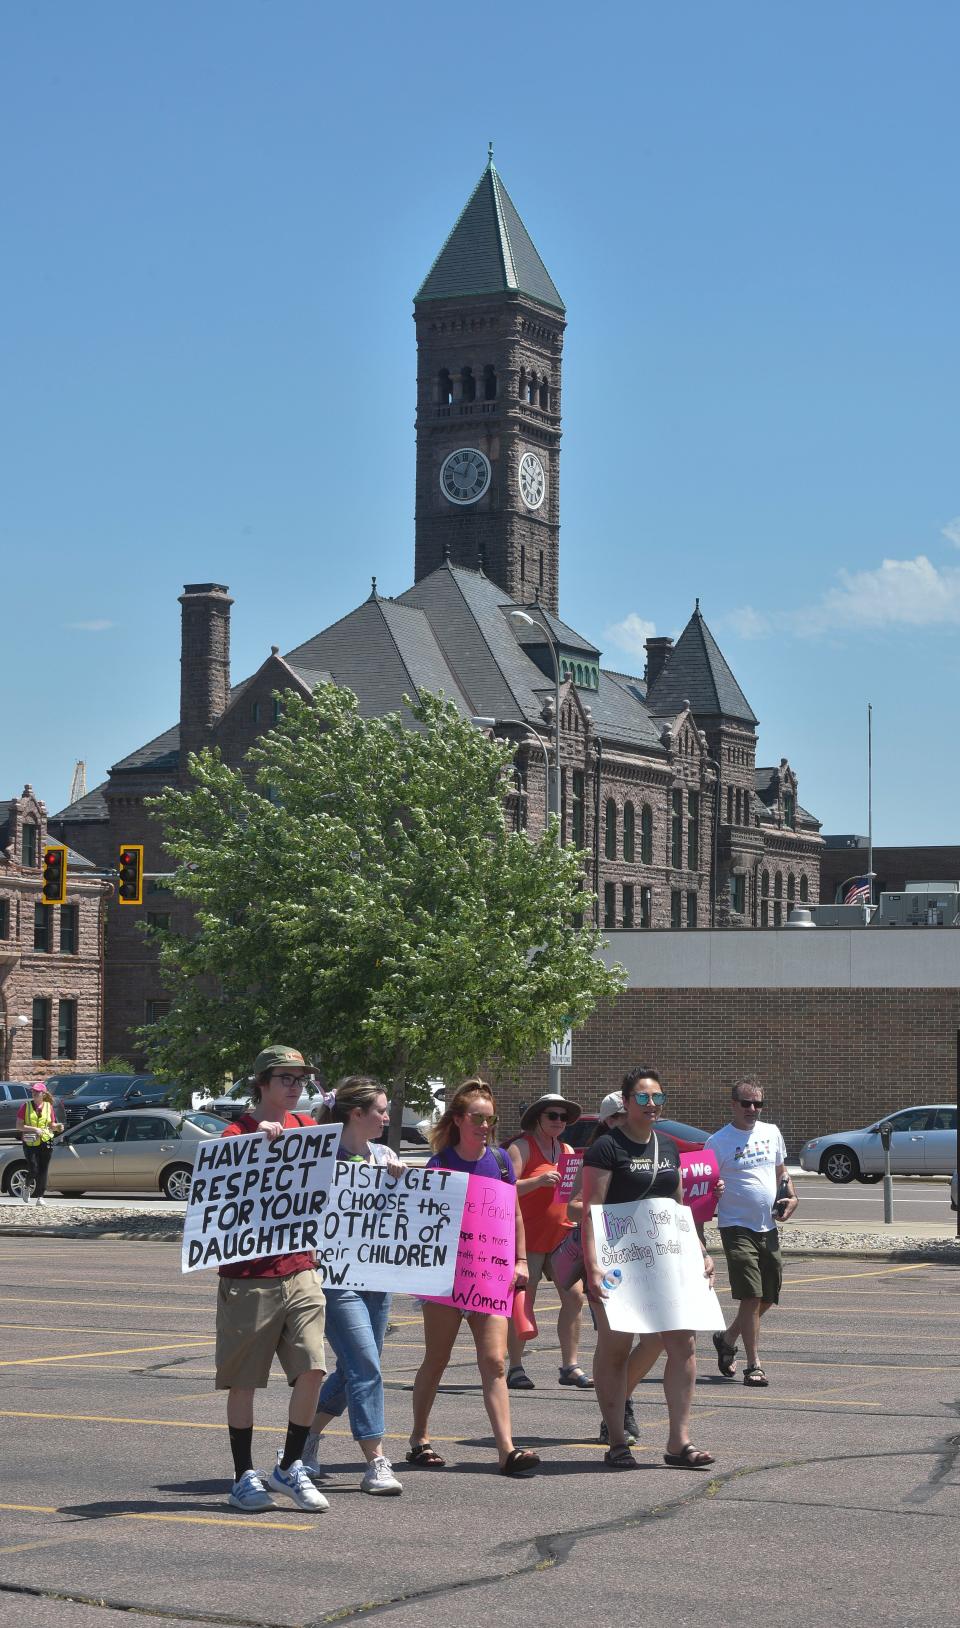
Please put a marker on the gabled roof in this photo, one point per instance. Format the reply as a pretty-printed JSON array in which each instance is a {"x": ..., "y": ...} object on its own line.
[
  {"x": 489, "y": 251},
  {"x": 565, "y": 636},
  {"x": 92, "y": 808},
  {"x": 696, "y": 671}
]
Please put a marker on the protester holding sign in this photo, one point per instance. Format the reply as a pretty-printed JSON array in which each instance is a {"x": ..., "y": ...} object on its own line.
[
  {"x": 357, "y": 1318},
  {"x": 535, "y": 1157},
  {"x": 629, "y": 1163},
  {"x": 272, "y": 1306},
  {"x": 461, "y": 1141}
]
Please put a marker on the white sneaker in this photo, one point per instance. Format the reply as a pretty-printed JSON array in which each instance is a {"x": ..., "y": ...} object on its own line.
[
  {"x": 249, "y": 1493},
  {"x": 379, "y": 1477},
  {"x": 42, "y": 1201},
  {"x": 296, "y": 1484},
  {"x": 310, "y": 1462}
]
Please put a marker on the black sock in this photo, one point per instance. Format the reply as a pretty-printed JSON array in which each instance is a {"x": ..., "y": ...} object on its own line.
[
  {"x": 294, "y": 1445},
  {"x": 241, "y": 1446}
]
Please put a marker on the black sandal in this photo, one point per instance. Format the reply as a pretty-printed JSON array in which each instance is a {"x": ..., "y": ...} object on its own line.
[
  {"x": 689, "y": 1458},
  {"x": 755, "y": 1376},
  {"x": 725, "y": 1355},
  {"x": 574, "y": 1375},
  {"x": 522, "y": 1461},
  {"x": 620, "y": 1458},
  {"x": 425, "y": 1457},
  {"x": 518, "y": 1379}
]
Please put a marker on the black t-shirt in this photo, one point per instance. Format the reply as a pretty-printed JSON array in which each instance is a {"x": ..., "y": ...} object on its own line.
[{"x": 630, "y": 1164}]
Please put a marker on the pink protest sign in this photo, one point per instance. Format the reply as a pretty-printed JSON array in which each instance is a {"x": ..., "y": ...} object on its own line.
[
  {"x": 700, "y": 1173},
  {"x": 569, "y": 1166},
  {"x": 486, "y": 1256}
]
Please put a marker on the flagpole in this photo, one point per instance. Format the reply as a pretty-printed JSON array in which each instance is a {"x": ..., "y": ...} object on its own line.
[{"x": 871, "y": 808}]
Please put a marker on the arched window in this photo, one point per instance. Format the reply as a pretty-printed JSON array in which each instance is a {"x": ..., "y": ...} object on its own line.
[
  {"x": 523, "y": 563},
  {"x": 746, "y": 808},
  {"x": 739, "y": 799},
  {"x": 765, "y": 884},
  {"x": 489, "y": 382},
  {"x": 804, "y": 890},
  {"x": 532, "y": 390},
  {"x": 629, "y": 833},
  {"x": 468, "y": 385},
  {"x": 777, "y": 913},
  {"x": 729, "y": 805},
  {"x": 544, "y": 393},
  {"x": 610, "y": 830},
  {"x": 791, "y": 888},
  {"x": 778, "y": 886},
  {"x": 646, "y": 835},
  {"x": 579, "y": 672},
  {"x": 444, "y": 387},
  {"x": 522, "y": 386},
  {"x": 541, "y": 567}
]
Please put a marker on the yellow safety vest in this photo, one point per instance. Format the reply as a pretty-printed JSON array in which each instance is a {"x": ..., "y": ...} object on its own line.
[{"x": 41, "y": 1124}]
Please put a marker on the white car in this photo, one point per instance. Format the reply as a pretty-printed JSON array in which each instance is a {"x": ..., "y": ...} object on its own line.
[
  {"x": 237, "y": 1098},
  {"x": 923, "y": 1143}
]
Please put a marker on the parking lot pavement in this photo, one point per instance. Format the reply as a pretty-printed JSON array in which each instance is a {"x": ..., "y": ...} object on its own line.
[{"x": 837, "y": 1486}]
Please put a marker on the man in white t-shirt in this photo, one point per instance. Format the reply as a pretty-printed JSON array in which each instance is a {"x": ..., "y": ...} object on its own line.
[{"x": 753, "y": 1163}]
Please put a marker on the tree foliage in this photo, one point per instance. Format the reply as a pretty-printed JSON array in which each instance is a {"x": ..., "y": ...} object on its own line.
[{"x": 357, "y": 894}]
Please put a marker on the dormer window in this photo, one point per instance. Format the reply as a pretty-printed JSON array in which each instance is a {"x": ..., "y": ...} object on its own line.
[
  {"x": 28, "y": 844},
  {"x": 790, "y": 810}
]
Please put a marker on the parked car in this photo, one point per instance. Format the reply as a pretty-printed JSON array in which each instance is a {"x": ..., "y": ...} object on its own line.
[
  {"x": 237, "y": 1098},
  {"x": 954, "y": 1183},
  {"x": 101, "y": 1092},
  {"x": 13, "y": 1095},
  {"x": 923, "y": 1143},
  {"x": 687, "y": 1137},
  {"x": 64, "y": 1085},
  {"x": 146, "y": 1152}
]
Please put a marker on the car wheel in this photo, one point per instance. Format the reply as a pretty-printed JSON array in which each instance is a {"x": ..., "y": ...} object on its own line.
[
  {"x": 868, "y": 1177},
  {"x": 17, "y": 1178},
  {"x": 840, "y": 1164},
  {"x": 176, "y": 1182}
]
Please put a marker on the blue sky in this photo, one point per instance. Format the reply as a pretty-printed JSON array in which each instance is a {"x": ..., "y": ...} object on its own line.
[{"x": 216, "y": 217}]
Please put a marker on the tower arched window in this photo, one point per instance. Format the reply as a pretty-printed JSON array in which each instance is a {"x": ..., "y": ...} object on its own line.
[
  {"x": 765, "y": 884},
  {"x": 629, "y": 833},
  {"x": 544, "y": 393},
  {"x": 489, "y": 382},
  {"x": 729, "y": 805},
  {"x": 580, "y": 672},
  {"x": 541, "y": 567},
  {"x": 778, "y": 886},
  {"x": 610, "y": 829},
  {"x": 523, "y": 563},
  {"x": 646, "y": 835},
  {"x": 739, "y": 799},
  {"x": 468, "y": 385},
  {"x": 444, "y": 387},
  {"x": 532, "y": 390},
  {"x": 804, "y": 890},
  {"x": 522, "y": 384},
  {"x": 791, "y": 888}
]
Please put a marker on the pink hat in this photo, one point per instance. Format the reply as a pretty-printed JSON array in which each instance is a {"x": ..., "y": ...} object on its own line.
[{"x": 39, "y": 1085}]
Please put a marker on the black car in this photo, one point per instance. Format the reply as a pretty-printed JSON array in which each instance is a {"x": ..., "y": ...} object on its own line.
[{"x": 101, "y": 1093}]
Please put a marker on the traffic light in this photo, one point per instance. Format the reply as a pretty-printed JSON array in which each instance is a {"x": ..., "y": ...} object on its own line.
[
  {"x": 130, "y": 889},
  {"x": 54, "y": 875}
]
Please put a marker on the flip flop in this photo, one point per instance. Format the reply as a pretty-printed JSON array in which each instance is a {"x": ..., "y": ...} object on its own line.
[
  {"x": 520, "y": 1462},
  {"x": 425, "y": 1457},
  {"x": 689, "y": 1458}
]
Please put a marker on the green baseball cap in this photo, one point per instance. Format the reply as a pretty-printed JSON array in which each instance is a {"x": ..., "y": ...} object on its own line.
[{"x": 276, "y": 1057}]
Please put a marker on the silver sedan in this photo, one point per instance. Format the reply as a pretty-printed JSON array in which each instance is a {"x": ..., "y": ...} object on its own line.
[
  {"x": 149, "y": 1151},
  {"x": 923, "y": 1143}
]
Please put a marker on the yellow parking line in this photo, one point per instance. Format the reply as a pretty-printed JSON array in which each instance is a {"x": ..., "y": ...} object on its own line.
[
  {"x": 184, "y": 1520},
  {"x": 196, "y": 1344},
  {"x": 880, "y": 1272}
]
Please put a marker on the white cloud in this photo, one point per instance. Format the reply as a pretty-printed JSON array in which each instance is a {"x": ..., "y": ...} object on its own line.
[
  {"x": 952, "y": 531},
  {"x": 98, "y": 625},
  {"x": 897, "y": 593},
  {"x": 630, "y": 634}
]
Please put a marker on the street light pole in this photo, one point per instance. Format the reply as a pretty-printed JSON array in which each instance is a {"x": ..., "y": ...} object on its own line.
[
  {"x": 530, "y": 621},
  {"x": 521, "y": 723}
]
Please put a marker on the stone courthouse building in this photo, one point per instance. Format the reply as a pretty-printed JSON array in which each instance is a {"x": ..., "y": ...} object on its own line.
[{"x": 678, "y": 825}]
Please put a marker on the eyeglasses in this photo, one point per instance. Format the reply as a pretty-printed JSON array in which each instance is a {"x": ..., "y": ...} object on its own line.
[
  {"x": 655, "y": 1099},
  {"x": 749, "y": 1107},
  {"x": 552, "y": 1114},
  {"x": 288, "y": 1079},
  {"x": 482, "y": 1119}
]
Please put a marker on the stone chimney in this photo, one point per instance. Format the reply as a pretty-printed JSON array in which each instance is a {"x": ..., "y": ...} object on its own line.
[
  {"x": 204, "y": 663},
  {"x": 657, "y": 652}
]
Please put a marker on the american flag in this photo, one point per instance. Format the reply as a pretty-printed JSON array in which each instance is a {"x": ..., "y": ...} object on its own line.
[{"x": 857, "y": 890}]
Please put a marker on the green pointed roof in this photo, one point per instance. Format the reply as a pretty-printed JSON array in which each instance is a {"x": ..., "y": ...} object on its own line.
[
  {"x": 489, "y": 251},
  {"x": 696, "y": 670}
]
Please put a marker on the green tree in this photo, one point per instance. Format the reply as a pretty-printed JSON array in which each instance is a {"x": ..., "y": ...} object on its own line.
[{"x": 356, "y": 893}]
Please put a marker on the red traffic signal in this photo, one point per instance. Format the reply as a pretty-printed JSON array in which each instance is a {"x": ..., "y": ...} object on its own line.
[
  {"x": 54, "y": 889},
  {"x": 130, "y": 868}
]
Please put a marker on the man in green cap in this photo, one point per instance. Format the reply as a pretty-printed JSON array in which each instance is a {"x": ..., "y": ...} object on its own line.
[{"x": 271, "y": 1307}]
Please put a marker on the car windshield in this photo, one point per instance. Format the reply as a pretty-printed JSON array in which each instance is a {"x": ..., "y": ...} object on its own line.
[{"x": 102, "y": 1088}]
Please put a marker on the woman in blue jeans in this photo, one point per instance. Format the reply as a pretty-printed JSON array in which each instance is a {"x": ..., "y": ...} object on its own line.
[{"x": 357, "y": 1318}]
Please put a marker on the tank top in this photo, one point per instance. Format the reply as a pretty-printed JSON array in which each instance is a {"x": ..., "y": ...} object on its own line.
[{"x": 545, "y": 1224}]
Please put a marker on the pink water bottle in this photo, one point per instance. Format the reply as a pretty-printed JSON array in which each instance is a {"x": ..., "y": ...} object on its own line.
[{"x": 524, "y": 1321}]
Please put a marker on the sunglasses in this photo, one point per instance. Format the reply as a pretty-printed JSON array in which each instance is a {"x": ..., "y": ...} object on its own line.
[
  {"x": 755, "y": 1107},
  {"x": 482, "y": 1119},
  {"x": 655, "y": 1099},
  {"x": 551, "y": 1113}
]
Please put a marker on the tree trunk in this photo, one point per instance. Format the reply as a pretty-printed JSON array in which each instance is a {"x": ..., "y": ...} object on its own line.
[{"x": 397, "y": 1101}]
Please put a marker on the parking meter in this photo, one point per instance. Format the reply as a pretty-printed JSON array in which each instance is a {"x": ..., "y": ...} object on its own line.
[{"x": 886, "y": 1133}]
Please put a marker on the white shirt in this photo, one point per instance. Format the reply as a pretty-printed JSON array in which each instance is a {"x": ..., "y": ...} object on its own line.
[{"x": 748, "y": 1163}]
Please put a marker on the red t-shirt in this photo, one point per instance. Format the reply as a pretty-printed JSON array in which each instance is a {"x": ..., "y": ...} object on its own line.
[{"x": 271, "y": 1266}]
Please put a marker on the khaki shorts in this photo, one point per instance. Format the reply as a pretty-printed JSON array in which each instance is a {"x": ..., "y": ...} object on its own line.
[
  {"x": 754, "y": 1263},
  {"x": 262, "y": 1318}
]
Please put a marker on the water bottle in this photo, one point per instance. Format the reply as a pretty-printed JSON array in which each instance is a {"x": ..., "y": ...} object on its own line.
[{"x": 612, "y": 1279}]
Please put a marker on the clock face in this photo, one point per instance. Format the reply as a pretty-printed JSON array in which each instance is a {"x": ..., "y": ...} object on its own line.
[
  {"x": 533, "y": 482},
  {"x": 465, "y": 475}
]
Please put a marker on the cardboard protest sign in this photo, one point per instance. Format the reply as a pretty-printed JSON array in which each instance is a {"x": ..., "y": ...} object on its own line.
[
  {"x": 569, "y": 1166},
  {"x": 486, "y": 1256},
  {"x": 654, "y": 1246},
  {"x": 700, "y": 1173},
  {"x": 389, "y": 1233},
  {"x": 250, "y": 1197}
]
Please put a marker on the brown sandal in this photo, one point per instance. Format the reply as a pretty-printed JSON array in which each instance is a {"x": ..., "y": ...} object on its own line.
[
  {"x": 425, "y": 1457},
  {"x": 520, "y": 1462},
  {"x": 689, "y": 1458}
]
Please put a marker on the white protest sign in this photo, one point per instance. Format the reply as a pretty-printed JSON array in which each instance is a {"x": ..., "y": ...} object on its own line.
[
  {"x": 653, "y": 1245},
  {"x": 250, "y": 1197},
  {"x": 391, "y": 1233}
]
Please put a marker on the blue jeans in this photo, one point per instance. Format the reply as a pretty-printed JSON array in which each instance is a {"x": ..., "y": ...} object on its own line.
[{"x": 356, "y": 1324}]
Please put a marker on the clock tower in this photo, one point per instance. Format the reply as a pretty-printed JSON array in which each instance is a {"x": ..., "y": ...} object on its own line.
[{"x": 489, "y": 341}]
